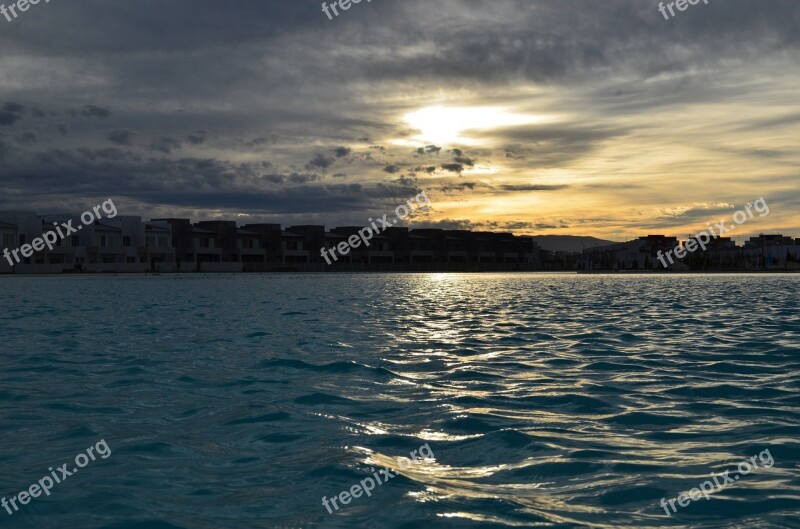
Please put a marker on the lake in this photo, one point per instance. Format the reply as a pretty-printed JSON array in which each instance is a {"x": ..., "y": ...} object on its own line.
[{"x": 547, "y": 400}]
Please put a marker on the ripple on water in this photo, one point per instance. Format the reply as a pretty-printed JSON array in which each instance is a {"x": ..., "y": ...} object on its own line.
[{"x": 548, "y": 400}]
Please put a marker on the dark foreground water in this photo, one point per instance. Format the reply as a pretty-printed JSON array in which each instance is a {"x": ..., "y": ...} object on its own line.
[{"x": 236, "y": 402}]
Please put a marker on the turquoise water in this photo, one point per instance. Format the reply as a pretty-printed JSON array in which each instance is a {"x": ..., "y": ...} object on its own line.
[{"x": 235, "y": 402}]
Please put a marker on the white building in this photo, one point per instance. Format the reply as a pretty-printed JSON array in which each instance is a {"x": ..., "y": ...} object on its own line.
[{"x": 119, "y": 244}]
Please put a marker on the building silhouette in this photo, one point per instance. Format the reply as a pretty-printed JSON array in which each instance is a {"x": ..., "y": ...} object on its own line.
[{"x": 129, "y": 244}]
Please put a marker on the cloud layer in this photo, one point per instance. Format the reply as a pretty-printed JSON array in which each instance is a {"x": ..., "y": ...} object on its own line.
[{"x": 266, "y": 110}]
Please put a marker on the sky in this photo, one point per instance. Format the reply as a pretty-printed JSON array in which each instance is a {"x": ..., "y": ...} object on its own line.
[{"x": 544, "y": 117}]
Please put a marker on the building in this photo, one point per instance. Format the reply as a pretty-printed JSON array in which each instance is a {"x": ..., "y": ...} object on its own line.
[
  {"x": 640, "y": 254},
  {"x": 129, "y": 244}
]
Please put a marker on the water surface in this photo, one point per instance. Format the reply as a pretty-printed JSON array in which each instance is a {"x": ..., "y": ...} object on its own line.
[{"x": 550, "y": 400}]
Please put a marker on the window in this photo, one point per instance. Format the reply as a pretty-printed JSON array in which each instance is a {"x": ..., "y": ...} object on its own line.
[
  {"x": 206, "y": 242},
  {"x": 8, "y": 240},
  {"x": 131, "y": 260},
  {"x": 22, "y": 239},
  {"x": 75, "y": 240},
  {"x": 126, "y": 242}
]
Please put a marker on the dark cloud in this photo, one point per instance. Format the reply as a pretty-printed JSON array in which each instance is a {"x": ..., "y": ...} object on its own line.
[
  {"x": 5, "y": 148},
  {"x": 297, "y": 178},
  {"x": 293, "y": 178},
  {"x": 320, "y": 161},
  {"x": 166, "y": 145},
  {"x": 461, "y": 186},
  {"x": 408, "y": 180},
  {"x": 10, "y": 113},
  {"x": 276, "y": 80},
  {"x": 429, "y": 149},
  {"x": 274, "y": 178},
  {"x": 26, "y": 138},
  {"x": 391, "y": 169},
  {"x": 200, "y": 183},
  {"x": 91, "y": 111},
  {"x": 256, "y": 142},
  {"x": 453, "y": 167},
  {"x": 198, "y": 137},
  {"x": 120, "y": 136}
]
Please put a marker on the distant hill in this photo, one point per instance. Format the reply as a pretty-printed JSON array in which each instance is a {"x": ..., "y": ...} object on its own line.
[{"x": 568, "y": 243}]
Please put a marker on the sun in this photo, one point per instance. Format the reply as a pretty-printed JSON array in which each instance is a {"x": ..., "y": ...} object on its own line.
[{"x": 441, "y": 125}]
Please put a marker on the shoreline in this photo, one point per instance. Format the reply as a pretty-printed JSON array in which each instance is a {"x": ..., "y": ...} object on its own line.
[{"x": 375, "y": 272}]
